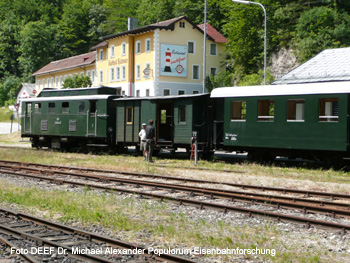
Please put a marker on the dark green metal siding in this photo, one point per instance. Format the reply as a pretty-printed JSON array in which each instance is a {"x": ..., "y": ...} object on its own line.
[
  {"x": 308, "y": 135},
  {"x": 183, "y": 131}
]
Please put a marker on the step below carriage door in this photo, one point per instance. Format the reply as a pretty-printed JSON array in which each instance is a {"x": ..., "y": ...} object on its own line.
[{"x": 92, "y": 118}]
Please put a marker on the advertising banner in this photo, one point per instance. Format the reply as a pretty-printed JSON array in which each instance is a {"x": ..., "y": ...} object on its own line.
[{"x": 173, "y": 60}]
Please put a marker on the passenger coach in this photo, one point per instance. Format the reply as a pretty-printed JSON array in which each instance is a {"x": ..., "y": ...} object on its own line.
[
  {"x": 70, "y": 118},
  {"x": 295, "y": 120},
  {"x": 175, "y": 119}
]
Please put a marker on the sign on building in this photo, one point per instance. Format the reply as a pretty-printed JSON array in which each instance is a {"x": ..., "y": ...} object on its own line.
[{"x": 173, "y": 60}]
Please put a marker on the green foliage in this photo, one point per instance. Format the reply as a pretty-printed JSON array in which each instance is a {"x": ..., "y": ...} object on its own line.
[
  {"x": 8, "y": 87},
  {"x": 321, "y": 28},
  {"x": 256, "y": 79},
  {"x": 77, "y": 81},
  {"x": 222, "y": 79}
]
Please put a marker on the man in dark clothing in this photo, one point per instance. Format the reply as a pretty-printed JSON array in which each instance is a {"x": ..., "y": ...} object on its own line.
[{"x": 150, "y": 140}]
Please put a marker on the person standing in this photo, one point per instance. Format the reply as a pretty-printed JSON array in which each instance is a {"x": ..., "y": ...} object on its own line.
[
  {"x": 143, "y": 143},
  {"x": 150, "y": 140}
]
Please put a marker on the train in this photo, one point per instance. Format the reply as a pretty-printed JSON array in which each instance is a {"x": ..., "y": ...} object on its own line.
[{"x": 308, "y": 120}]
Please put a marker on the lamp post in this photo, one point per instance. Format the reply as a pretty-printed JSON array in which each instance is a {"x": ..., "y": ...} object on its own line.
[{"x": 248, "y": 3}]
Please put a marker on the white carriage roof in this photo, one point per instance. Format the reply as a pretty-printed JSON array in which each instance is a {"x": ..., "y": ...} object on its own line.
[
  {"x": 67, "y": 98},
  {"x": 329, "y": 65},
  {"x": 280, "y": 90},
  {"x": 170, "y": 97}
]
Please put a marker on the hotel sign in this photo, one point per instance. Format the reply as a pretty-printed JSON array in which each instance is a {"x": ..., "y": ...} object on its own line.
[{"x": 173, "y": 60}]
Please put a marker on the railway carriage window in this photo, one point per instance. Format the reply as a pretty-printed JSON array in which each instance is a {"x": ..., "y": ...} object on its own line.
[
  {"x": 65, "y": 107},
  {"x": 81, "y": 106},
  {"x": 129, "y": 113},
  {"x": 162, "y": 116},
  {"x": 92, "y": 106},
  {"x": 37, "y": 107},
  {"x": 52, "y": 107},
  {"x": 328, "y": 110},
  {"x": 28, "y": 108},
  {"x": 266, "y": 110},
  {"x": 182, "y": 114},
  {"x": 238, "y": 110},
  {"x": 295, "y": 110}
]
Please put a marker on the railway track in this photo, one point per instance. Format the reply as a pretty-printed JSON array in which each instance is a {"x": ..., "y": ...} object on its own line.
[
  {"x": 34, "y": 239},
  {"x": 59, "y": 174}
]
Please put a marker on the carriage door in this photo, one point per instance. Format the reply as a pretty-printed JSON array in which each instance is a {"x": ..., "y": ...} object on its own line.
[
  {"x": 92, "y": 118},
  {"x": 28, "y": 117},
  {"x": 165, "y": 121}
]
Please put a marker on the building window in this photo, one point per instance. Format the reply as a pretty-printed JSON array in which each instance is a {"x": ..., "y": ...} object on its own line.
[
  {"x": 101, "y": 76},
  {"x": 101, "y": 54},
  {"x": 147, "y": 92},
  {"x": 56, "y": 82},
  {"x": 92, "y": 76},
  {"x": 195, "y": 72},
  {"x": 182, "y": 114},
  {"x": 123, "y": 92},
  {"x": 117, "y": 73},
  {"x": 123, "y": 72},
  {"x": 138, "y": 47},
  {"x": 65, "y": 107},
  {"x": 138, "y": 71},
  {"x": 48, "y": 83},
  {"x": 88, "y": 74},
  {"x": 295, "y": 110},
  {"x": 190, "y": 47},
  {"x": 266, "y": 110},
  {"x": 148, "y": 45},
  {"x": 238, "y": 110},
  {"x": 112, "y": 51},
  {"x": 52, "y": 107},
  {"x": 213, "y": 71},
  {"x": 112, "y": 74},
  {"x": 123, "y": 49},
  {"x": 213, "y": 49},
  {"x": 39, "y": 83},
  {"x": 195, "y": 92},
  {"x": 129, "y": 114},
  {"x": 43, "y": 83},
  {"x": 181, "y": 92},
  {"x": 166, "y": 92},
  {"x": 138, "y": 93},
  {"x": 61, "y": 80},
  {"x": 182, "y": 24},
  {"x": 328, "y": 110}
]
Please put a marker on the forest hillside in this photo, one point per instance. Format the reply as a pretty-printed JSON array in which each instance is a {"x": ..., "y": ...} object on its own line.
[{"x": 35, "y": 32}]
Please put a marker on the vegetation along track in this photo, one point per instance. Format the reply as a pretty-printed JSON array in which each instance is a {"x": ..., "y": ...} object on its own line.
[
  {"x": 58, "y": 174},
  {"x": 28, "y": 235}
]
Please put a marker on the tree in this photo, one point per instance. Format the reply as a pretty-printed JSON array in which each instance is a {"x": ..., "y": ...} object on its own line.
[
  {"x": 321, "y": 28},
  {"x": 36, "y": 41},
  {"x": 77, "y": 81}
]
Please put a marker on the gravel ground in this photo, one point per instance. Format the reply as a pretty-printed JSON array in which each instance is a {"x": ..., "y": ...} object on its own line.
[{"x": 293, "y": 237}]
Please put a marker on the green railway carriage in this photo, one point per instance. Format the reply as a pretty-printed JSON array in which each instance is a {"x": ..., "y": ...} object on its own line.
[
  {"x": 295, "y": 120},
  {"x": 175, "y": 118},
  {"x": 70, "y": 118}
]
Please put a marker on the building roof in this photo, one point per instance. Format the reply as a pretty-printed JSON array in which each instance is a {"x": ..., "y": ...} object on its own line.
[
  {"x": 216, "y": 35},
  {"x": 68, "y": 63},
  {"x": 213, "y": 34},
  {"x": 282, "y": 90},
  {"x": 329, "y": 65},
  {"x": 26, "y": 89}
]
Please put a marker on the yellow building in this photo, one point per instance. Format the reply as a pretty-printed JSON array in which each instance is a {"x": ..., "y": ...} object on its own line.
[
  {"x": 165, "y": 58},
  {"x": 53, "y": 74}
]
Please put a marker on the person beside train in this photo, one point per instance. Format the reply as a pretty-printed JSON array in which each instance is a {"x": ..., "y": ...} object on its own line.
[
  {"x": 150, "y": 140},
  {"x": 143, "y": 143}
]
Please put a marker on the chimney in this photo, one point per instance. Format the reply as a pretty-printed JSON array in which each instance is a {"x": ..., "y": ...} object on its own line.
[{"x": 132, "y": 23}]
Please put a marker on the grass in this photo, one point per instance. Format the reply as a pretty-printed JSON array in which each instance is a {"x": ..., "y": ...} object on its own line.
[
  {"x": 5, "y": 114},
  {"x": 151, "y": 222}
]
